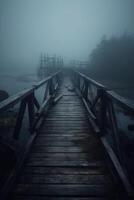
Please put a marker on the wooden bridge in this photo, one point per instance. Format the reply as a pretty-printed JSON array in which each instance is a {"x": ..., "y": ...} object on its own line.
[{"x": 74, "y": 149}]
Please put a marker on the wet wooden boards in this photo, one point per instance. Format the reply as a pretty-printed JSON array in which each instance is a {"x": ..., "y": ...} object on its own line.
[{"x": 66, "y": 161}]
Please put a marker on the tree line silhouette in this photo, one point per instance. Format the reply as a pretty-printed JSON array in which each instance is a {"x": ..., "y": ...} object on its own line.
[{"x": 113, "y": 59}]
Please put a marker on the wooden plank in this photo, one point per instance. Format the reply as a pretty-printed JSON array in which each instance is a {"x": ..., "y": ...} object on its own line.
[
  {"x": 58, "y": 198},
  {"x": 65, "y": 179},
  {"x": 43, "y": 139},
  {"x": 65, "y": 156},
  {"x": 75, "y": 112},
  {"x": 63, "y": 111},
  {"x": 59, "y": 135},
  {"x": 65, "y": 106},
  {"x": 64, "y": 163},
  {"x": 63, "y": 132},
  {"x": 56, "y": 143},
  {"x": 65, "y": 122},
  {"x": 86, "y": 179},
  {"x": 64, "y": 119},
  {"x": 64, "y": 138},
  {"x": 89, "y": 170},
  {"x": 52, "y": 149},
  {"x": 69, "y": 110},
  {"x": 83, "y": 143},
  {"x": 67, "y": 115},
  {"x": 66, "y": 128},
  {"x": 65, "y": 190}
]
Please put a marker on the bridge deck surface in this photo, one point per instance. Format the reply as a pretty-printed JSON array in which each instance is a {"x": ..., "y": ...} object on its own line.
[{"x": 66, "y": 160}]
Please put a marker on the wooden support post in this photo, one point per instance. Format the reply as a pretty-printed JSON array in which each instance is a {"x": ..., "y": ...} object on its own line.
[
  {"x": 103, "y": 110},
  {"x": 31, "y": 111},
  {"x": 115, "y": 132},
  {"x": 85, "y": 92},
  {"x": 51, "y": 87},
  {"x": 78, "y": 82},
  {"x": 46, "y": 91},
  {"x": 36, "y": 103},
  {"x": 58, "y": 79},
  {"x": 96, "y": 99},
  {"x": 19, "y": 119}
]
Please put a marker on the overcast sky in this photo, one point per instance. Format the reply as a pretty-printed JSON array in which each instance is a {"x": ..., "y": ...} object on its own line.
[{"x": 71, "y": 28}]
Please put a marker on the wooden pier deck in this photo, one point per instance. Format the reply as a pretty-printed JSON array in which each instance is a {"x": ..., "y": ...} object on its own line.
[{"x": 66, "y": 160}]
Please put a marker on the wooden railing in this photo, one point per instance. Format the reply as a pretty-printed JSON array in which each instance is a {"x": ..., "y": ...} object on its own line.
[
  {"x": 105, "y": 108},
  {"x": 27, "y": 98},
  {"x": 30, "y": 105}
]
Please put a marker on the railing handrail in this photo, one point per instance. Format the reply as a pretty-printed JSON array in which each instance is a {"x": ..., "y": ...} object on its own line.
[
  {"x": 103, "y": 118},
  {"x": 120, "y": 100},
  {"x": 91, "y": 80},
  {"x": 42, "y": 82},
  {"x": 14, "y": 99}
]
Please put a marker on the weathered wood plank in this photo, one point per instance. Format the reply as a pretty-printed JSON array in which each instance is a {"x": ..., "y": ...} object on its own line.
[
  {"x": 58, "y": 198},
  {"x": 59, "y": 135},
  {"x": 63, "y": 156},
  {"x": 61, "y": 139},
  {"x": 74, "y": 120},
  {"x": 55, "y": 143},
  {"x": 57, "y": 149},
  {"x": 59, "y": 155},
  {"x": 64, "y": 179},
  {"x": 89, "y": 170},
  {"x": 43, "y": 132},
  {"x": 64, "y": 123},
  {"x": 67, "y": 128},
  {"x": 64, "y": 118},
  {"x": 66, "y": 161},
  {"x": 65, "y": 190}
]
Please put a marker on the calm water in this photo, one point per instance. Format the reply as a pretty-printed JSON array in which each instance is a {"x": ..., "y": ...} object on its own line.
[{"x": 13, "y": 84}]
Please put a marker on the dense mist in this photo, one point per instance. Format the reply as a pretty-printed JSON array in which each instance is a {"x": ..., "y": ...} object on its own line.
[
  {"x": 66, "y": 99},
  {"x": 70, "y": 28}
]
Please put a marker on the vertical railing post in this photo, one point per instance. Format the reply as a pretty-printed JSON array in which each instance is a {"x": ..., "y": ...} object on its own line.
[
  {"x": 58, "y": 79},
  {"x": 115, "y": 132},
  {"x": 85, "y": 92},
  {"x": 78, "y": 82},
  {"x": 51, "y": 87},
  {"x": 103, "y": 110},
  {"x": 51, "y": 90},
  {"x": 31, "y": 111},
  {"x": 18, "y": 125},
  {"x": 46, "y": 91}
]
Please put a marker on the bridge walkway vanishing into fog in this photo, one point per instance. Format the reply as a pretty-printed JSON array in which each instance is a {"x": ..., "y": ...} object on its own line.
[
  {"x": 68, "y": 155},
  {"x": 66, "y": 159}
]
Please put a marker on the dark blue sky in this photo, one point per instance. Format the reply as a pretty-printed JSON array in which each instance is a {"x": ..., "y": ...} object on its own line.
[{"x": 71, "y": 28}]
